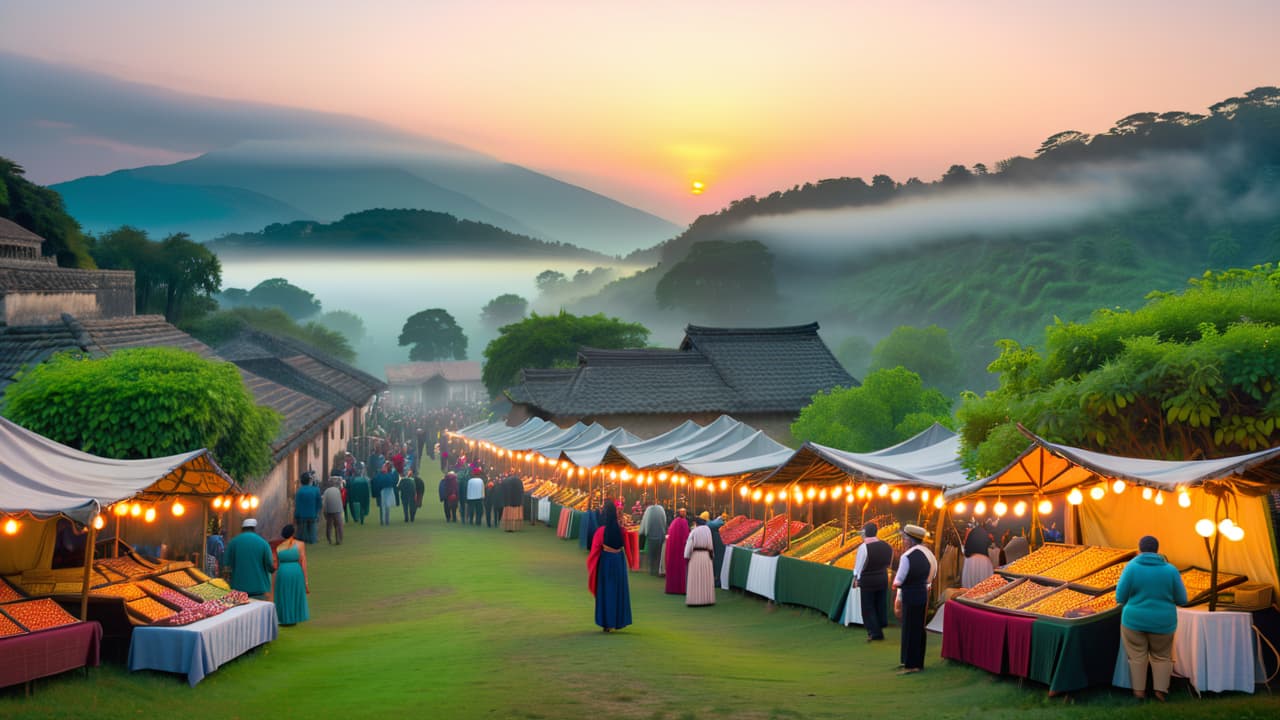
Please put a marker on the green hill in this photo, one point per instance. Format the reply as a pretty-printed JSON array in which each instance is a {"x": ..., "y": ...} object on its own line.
[
  {"x": 1089, "y": 222},
  {"x": 389, "y": 232}
]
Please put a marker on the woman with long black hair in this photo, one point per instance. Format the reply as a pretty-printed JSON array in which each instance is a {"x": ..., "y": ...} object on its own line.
[{"x": 607, "y": 573}]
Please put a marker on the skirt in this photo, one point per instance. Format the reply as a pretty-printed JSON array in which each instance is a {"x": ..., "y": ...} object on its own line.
[
  {"x": 512, "y": 518},
  {"x": 701, "y": 586},
  {"x": 613, "y": 596},
  {"x": 976, "y": 569}
]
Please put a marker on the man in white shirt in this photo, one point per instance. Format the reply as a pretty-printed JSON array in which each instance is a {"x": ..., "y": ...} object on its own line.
[
  {"x": 916, "y": 570},
  {"x": 871, "y": 577},
  {"x": 475, "y": 498}
]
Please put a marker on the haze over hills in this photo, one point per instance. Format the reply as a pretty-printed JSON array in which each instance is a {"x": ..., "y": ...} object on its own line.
[
  {"x": 1092, "y": 221},
  {"x": 241, "y": 165}
]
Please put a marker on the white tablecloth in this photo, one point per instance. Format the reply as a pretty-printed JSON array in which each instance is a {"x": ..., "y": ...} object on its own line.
[
  {"x": 724, "y": 567},
  {"x": 852, "y": 608},
  {"x": 1215, "y": 651},
  {"x": 202, "y": 647},
  {"x": 762, "y": 576},
  {"x": 544, "y": 510}
]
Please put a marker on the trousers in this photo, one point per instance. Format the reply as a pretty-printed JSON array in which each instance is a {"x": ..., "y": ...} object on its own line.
[
  {"x": 875, "y": 616},
  {"x": 1143, "y": 649},
  {"x": 475, "y": 508},
  {"x": 333, "y": 522},
  {"x": 307, "y": 529},
  {"x": 913, "y": 635}
]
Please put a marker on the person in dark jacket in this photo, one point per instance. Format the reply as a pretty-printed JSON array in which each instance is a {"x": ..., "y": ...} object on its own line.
[
  {"x": 916, "y": 570},
  {"x": 408, "y": 491},
  {"x": 1150, "y": 589},
  {"x": 449, "y": 493},
  {"x": 871, "y": 577}
]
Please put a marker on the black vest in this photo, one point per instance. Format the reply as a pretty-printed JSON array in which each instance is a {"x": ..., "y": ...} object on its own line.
[
  {"x": 875, "y": 575},
  {"x": 915, "y": 586}
]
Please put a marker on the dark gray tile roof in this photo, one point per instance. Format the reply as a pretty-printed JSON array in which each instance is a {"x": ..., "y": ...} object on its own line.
[
  {"x": 19, "y": 276},
  {"x": 714, "y": 370},
  {"x": 11, "y": 233},
  {"x": 286, "y": 360}
]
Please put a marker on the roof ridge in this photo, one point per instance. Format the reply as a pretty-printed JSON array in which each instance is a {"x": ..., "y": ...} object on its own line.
[{"x": 79, "y": 332}]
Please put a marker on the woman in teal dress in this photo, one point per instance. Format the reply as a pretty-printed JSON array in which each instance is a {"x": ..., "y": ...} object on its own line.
[{"x": 292, "y": 585}]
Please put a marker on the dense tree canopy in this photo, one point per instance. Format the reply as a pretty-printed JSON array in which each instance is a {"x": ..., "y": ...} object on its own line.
[
  {"x": 925, "y": 351},
  {"x": 543, "y": 341},
  {"x": 732, "y": 280},
  {"x": 1188, "y": 376},
  {"x": 434, "y": 335},
  {"x": 854, "y": 353},
  {"x": 345, "y": 323},
  {"x": 41, "y": 211},
  {"x": 299, "y": 304},
  {"x": 220, "y": 326},
  {"x": 504, "y": 310},
  {"x": 175, "y": 277},
  {"x": 146, "y": 402},
  {"x": 890, "y": 406}
]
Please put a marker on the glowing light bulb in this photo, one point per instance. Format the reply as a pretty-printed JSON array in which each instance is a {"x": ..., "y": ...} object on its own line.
[
  {"x": 1147, "y": 494},
  {"x": 12, "y": 526},
  {"x": 99, "y": 522},
  {"x": 939, "y": 502},
  {"x": 822, "y": 496},
  {"x": 120, "y": 509},
  {"x": 254, "y": 502},
  {"x": 699, "y": 482},
  {"x": 1205, "y": 528},
  {"x": 882, "y": 490},
  {"x": 1225, "y": 526},
  {"x": 1000, "y": 508},
  {"x": 582, "y": 472},
  {"x": 960, "y": 508},
  {"x": 811, "y": 493},
  {"x": 135, "y": 510},
  {"x": 836, "y": 492},
  {"x": 755, "y": 496},
  {"x": 1075, "y": 497},
  {"x": 1235, "y": 534},
  {"x": 178, "y": 508},
  {"x": 625, "y": 475},
  {"x": 1159, "y": 498},
  {"x": 895, "y": 495},
  {"x": 848, "y": 499},
  {"x": 1118, "y": 487},
  {"x": 980, "y": 508},
  {"x": 1097, "y": 493},
  {"x": 149, "y": 515},
  {"x": 911, "y": 496},
  {"x": 724, "y": 484},
  {"x": 1045, "y": 507},
  {"x": 664, "y": 475},
  {"x": 744, "y": 491},
  {"x": 1184, "y": 499},
  {"x": 769, "y": 498},
  {"x": 1019, "y": 508},
  {"x": 924, "y": 496}
]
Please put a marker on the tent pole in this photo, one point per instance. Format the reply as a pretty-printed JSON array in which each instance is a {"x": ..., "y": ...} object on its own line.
[{"x": 88, "y": 567}]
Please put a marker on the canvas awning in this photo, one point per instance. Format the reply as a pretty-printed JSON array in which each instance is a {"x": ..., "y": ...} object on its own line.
[
  {"x": 756, "y": 453},
  {"x": 930, "y": 459},
  {"x": 45, "y": 479},
  {"x": 590, "y": 453},
  {"x": 722, "y": 432}
]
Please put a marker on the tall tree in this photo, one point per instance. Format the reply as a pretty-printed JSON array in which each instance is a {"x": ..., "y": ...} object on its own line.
[
  {"x": 190, "y": 271},
  {"x": 542, "y": 341},
  {"x": 41, "y": 211},
  {"x": 434, "y": 335},
  {"x": 218, "y": 327},
  {"x": 348, "y": 324},
  {"x": 144, "y": 403},
  {"x": 175, "y": 276},
  {"x": 504, "y": 310},
  {"x": 890, "y": 406},
  {"x": 278, "y": 292},
  {"x": 925, "y": 351}
]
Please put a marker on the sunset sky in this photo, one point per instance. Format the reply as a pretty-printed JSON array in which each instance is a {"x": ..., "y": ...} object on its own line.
[{"x": 638, "y": 100}]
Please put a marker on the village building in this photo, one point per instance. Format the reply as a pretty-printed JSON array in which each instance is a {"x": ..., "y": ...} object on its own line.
[
  {"x": 760, "y": 376},
  {"x": 35, "y": 291},
  {"x": 432, "y": 385}
]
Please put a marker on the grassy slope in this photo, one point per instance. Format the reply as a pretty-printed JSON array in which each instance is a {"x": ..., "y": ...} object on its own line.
[{"x": 449, "y": 621}]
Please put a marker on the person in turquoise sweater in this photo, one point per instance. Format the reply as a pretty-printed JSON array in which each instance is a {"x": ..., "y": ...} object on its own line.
[
  {"x": 1150, "y": 590},
  {"x": 251, "y": 561}
]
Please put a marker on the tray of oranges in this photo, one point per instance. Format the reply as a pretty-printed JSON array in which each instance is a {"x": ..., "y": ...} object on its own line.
[
  {"x": 1020, "y": 594},
  {"x": 1058, "y": 603},
  {"x": 1045, "y": 557},
  {"x": 39, "y": 614},
  {"x": 985, "y": 589},
  {"x": 150, "y": 609},
  {"x": 125, "y": 590},
  {"x": 1085, "y": 563},
  {"x": 1105, "y": 579}
]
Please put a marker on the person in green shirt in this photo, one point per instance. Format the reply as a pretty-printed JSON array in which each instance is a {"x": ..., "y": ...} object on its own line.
[{"x": 251, "y": 561}]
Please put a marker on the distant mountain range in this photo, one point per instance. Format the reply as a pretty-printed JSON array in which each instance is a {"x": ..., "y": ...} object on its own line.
[
  {"x": 388, "y": 232},
  {"x": 256, "y": 164}
]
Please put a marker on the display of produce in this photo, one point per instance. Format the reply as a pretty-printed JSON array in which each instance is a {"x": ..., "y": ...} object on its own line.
[
  {"x": 150, "y": 608},
  {"x": 827, "y": 552},
  {"x": 740, "y": 531},
  {"x": 220, "y": 583},
  {"x": 1042, "y": 559},
  {"x": 207, "y": 591},
  {"x": 1020, "y": 594},
  {"x": 127, "y": 566},
  {"x": 179, "y": 578},
  {"x": 777, "y": 531},
  {"x": 233, "y": 598},
  {"x": 125, "y": 590},
  {"x": 807, "y": 543},
  {"x": 847, "y": 556},
  {"x": 9, "y": 592},
  {"x": 752, "y": 541},
  {"x": 39, "y": 614},
  {"x": 986, "y": 588},
  {"x": 1197, "y": 580},
  {"x": 1059, "y": 602},
  {"x": 199, "y": 576},
  {"x": 1104, "y": 579},
  {"x": 151, "y": 586},
  {"x": 732, "y": 523},
  {"x": 9, "y": 627},
  {"x": 178, "y": 600},
  {"x": 195, "y": 613},
  {"x": 1099, "y": 604},
  {"x": 1085, "y": 562}
]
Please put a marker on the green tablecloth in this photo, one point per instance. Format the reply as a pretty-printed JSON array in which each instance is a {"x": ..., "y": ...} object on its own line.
[
  {"x": 821, "y": 587},
  {"x": 1072, "y": 655},
  {"x": 530, "y": 508},
  {"x": 575, "y": 524},
  {"x": 739, "y": 568},
  {"x": 553, "y": 521}
]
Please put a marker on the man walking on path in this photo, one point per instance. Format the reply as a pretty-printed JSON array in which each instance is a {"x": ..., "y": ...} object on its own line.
[
  {"x": 475, "y": 498},
  {"x": 332, "y": 501},
  {"x": 358, "y": 496},
  {"x": 653, "y": 526},
  {"x": 306, "y": 509}
]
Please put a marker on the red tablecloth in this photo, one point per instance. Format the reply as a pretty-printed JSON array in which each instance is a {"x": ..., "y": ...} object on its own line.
[
  {"x": 632, "y": 539},
  {"x": 991, "y": 640},
  {"x": 49, "y": 652}
]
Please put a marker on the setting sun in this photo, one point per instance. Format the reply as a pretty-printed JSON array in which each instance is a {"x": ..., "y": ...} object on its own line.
[{"x": 697, "y": 187}]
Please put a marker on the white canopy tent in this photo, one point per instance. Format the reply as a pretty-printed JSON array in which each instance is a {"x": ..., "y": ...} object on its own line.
[{"x": 930, "y": 459}]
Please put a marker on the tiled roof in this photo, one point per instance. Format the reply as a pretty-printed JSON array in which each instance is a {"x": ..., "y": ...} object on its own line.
[
  {"x": 303, "y": 415},
  {"x": 714, "y": 370},
  {"x": 296, "y": 364},
  {"x": 11, "y": 233},
  {"x": 20, "y": 276},
  {"x": 415, "y": 373}
]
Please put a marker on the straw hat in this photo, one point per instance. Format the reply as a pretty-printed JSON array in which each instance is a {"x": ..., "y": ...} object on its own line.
[{"x": 915, "y": 531}]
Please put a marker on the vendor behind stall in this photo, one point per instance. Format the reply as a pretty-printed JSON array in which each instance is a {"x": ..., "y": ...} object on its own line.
[{"x": 251, "y": 561}]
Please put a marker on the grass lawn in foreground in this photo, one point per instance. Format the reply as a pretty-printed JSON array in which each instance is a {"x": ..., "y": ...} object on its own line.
[{"x": 431, "y": 620}]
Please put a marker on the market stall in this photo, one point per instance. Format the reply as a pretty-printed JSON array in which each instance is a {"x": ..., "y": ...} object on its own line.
[{"x": 199, "y": 648}]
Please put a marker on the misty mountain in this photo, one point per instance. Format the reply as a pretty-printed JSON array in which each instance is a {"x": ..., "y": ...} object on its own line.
[
  {"x": 1089, "y": 222},
  {"x": 389, "y": 232},
  {"x": 303, "y": 164}
]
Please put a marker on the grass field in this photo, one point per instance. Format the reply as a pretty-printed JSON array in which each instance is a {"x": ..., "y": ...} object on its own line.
[{"x": 443, "y": 621}]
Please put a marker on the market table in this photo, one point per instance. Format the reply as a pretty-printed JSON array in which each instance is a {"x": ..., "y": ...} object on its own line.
[
  {"x": 813, "y": 585},
  {"x": 34, "y": 655},
  {"x": 740, "y": 567},
  {"x": 762, "y": 575},
  {"x": 202, "y": 647},
  {"x": 544, "y": 511},
  {"x": 1069, "y": 655},
  {"x": 1215, "y": 651},
  {"x": 994, "y": 641}
]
